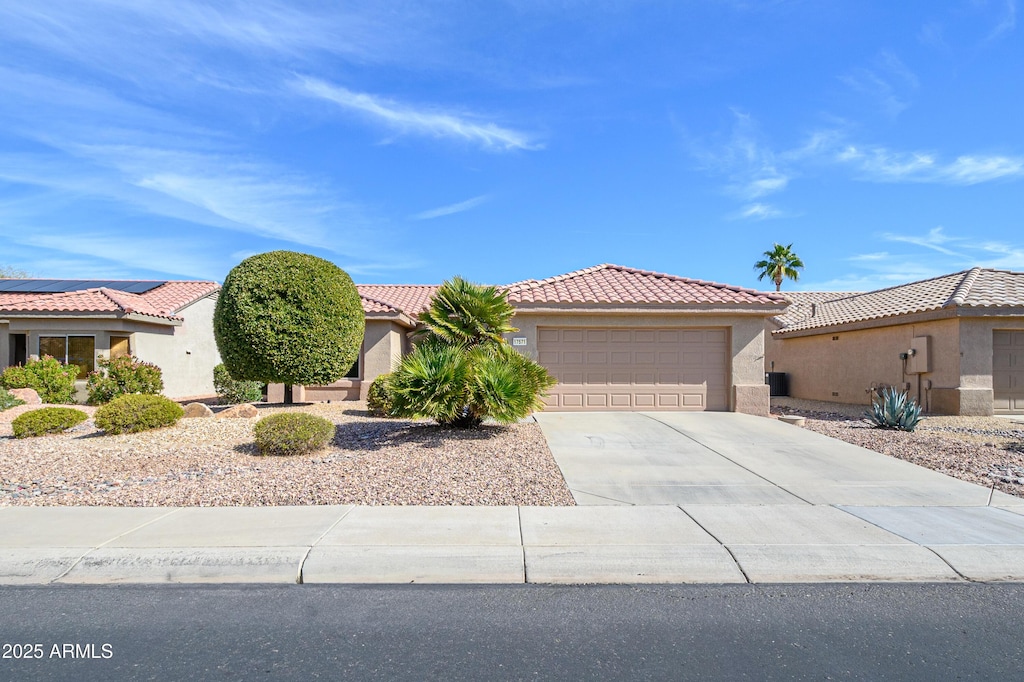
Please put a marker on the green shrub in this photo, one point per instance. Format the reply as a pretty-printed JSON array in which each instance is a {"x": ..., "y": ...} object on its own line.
[
  {"x": 137, "y": 412},
  {"x": 46, "y": 420},
  {"x": 894, "y": 410},
  {"x": 290, "y": 318},
  {"x": 54, "y": 382},
  {"x": 379, "y": 398},
  {"x": 232, "y": 391},
  {"x": 463, "y": 371},
  {"x": 292, "y": 433},
  {"x": 8, "y": 401},
  {"x": 125, "y": 375}
]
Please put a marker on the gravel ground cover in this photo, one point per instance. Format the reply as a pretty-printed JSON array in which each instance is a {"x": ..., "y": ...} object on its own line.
[
  {"x": 212, "y": 462},
  {"x": 982, "y": 450}
]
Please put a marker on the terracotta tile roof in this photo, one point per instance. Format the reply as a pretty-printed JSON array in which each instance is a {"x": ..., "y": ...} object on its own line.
[
  {"x": 411, "y": 299},
  {"x": 800, "y": 303},
  {"x": 164, "y": 301},
  {"x": 616, "y": 284},
  {"x": 975, "y": 288}
]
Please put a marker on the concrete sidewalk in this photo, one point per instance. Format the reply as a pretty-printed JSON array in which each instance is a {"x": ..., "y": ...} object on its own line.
[{"x": 692, "y": 543}]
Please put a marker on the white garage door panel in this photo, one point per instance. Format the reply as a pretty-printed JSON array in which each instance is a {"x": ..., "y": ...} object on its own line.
[
  {"x": 1008, "y": 371},
  {"x": 636, "y": 369}
]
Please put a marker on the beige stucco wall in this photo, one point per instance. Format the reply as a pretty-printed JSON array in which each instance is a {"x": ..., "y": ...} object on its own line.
[
  {"x": 187, "y": 354},
  {"x": 841, "y": 366},
  {"x": 746, "y": 370}
]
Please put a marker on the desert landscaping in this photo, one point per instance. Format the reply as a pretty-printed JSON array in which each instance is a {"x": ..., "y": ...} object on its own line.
[{"x": 374, "y": 461}]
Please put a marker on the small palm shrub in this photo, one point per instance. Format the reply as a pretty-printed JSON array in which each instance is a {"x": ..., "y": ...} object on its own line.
[
  {"x": 137, "y": 412},
  {"x": 292, "y": 433},
  {"x": 232, "y": 391},
  {"x": 46, "y": 420},
  {"x": 463, "y": 371},
  {"x": 54, "y": 382},
  {"x": 124, "y": 375},
  {"x": 894, "y": 410},
  {"x": 7, "y": 401},
  {"x": 379, "y": 399}
]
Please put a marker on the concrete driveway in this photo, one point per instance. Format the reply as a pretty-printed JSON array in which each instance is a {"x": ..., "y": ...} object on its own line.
[
  {"x": 789, "y": 504},
  {"x": 727, "y": 458}
]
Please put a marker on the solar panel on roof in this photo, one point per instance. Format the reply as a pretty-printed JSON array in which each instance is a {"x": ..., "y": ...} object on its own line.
[{"x": 61, "y": 286}]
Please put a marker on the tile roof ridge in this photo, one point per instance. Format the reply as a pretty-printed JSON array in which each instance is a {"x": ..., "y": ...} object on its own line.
[
  {"x": 116, "y": 299},
  {"x": 690, "y": 280},
  {"x": 904, "y": 285},
  {"x": 963, "y": 289},
  {"x": 534, "y": 283}
]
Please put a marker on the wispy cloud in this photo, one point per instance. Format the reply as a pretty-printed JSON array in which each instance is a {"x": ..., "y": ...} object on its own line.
[
  {"x": 880, "y": 164},
  {"x": 921, "y": 256},
  {"x": 887, "y": 80},
  {"x": 759, "y": 211},
  {"x": 749, "y": 163},
  {"x": 936, "y": 240},
  {"x": 451, "y": 209},
  {"x": 430, "y": 121},
  {"x": 1006, "y": 23}
]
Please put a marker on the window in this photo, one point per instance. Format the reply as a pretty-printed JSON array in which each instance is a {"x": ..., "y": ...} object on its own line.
[
  {"x": 353, "y": 372},
  {"x": 119, "y": 347},
  {"x": 71, "y": 350}
]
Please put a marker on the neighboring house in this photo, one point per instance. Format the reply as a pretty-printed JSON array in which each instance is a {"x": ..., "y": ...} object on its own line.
[
  {"x": 167, "y": 323},
  {"x": 955, "y": 342},
  {"x": 615, "y": 338}
]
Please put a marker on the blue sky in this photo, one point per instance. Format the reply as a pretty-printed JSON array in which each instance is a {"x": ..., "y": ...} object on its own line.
[{"x": 412, "y": 141}]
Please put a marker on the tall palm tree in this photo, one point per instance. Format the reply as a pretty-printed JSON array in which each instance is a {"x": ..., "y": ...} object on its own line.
[{"x": 778, "y": 263}]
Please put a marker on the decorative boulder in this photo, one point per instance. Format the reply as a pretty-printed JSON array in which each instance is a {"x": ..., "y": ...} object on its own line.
[
  {"x": 197, "y": 410},
  {"x": 243, "y": 411},
  {"x": 29, "y": 395}
]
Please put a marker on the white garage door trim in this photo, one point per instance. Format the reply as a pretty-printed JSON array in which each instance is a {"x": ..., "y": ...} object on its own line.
[
  {"x": 1008, "y": 371},
  {"x": 634, "y": 368}
]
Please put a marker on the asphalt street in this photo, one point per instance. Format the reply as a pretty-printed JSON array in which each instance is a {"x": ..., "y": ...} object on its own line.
[{"x": 514, "y": 632}]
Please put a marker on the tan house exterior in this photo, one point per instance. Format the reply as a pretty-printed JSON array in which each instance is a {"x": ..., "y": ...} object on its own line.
[
  {"x": 167, "y": 323},
  {"x": 615, "y": 338},
  {"x": 955, "y": 342}
]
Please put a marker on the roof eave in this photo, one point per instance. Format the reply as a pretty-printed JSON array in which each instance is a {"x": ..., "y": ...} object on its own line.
[
  {"x": 653, "y": 309},
  {"x": 400, "y": 318}
]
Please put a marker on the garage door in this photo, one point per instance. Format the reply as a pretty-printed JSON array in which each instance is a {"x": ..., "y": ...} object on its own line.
[
  {"x": 1008, "y": 371},
  {"x": 636, "y": 369}
]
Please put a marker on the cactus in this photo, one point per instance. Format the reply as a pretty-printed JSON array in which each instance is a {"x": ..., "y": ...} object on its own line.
[{"x": 893, "y": 410}]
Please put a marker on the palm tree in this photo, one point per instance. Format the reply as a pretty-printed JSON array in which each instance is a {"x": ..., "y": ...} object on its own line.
[
  {"x": 779, "y": 262},
  {"x": 463, "y": 370}
]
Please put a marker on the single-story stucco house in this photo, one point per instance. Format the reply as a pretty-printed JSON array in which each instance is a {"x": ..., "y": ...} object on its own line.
[
  {"x": 167, "y": 323},
  {"x": 955, "y": 342},
  {"x": 615, "y": 338}
]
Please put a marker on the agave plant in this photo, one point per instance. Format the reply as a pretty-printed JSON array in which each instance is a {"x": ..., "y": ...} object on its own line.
[{"x": 894, "y": 410}]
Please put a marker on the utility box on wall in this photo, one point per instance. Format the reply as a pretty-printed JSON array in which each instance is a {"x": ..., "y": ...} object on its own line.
[{"x": 919, "y": 359}]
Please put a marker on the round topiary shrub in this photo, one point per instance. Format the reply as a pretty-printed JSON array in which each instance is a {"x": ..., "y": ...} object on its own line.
[
  {"x": 290, "y": 318},
  {"x": 141, "y": 412},
  {"x": 379, "y": 397},
  {"x": 46, "y": 420},
  {"x": 292, "y": 433}
]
